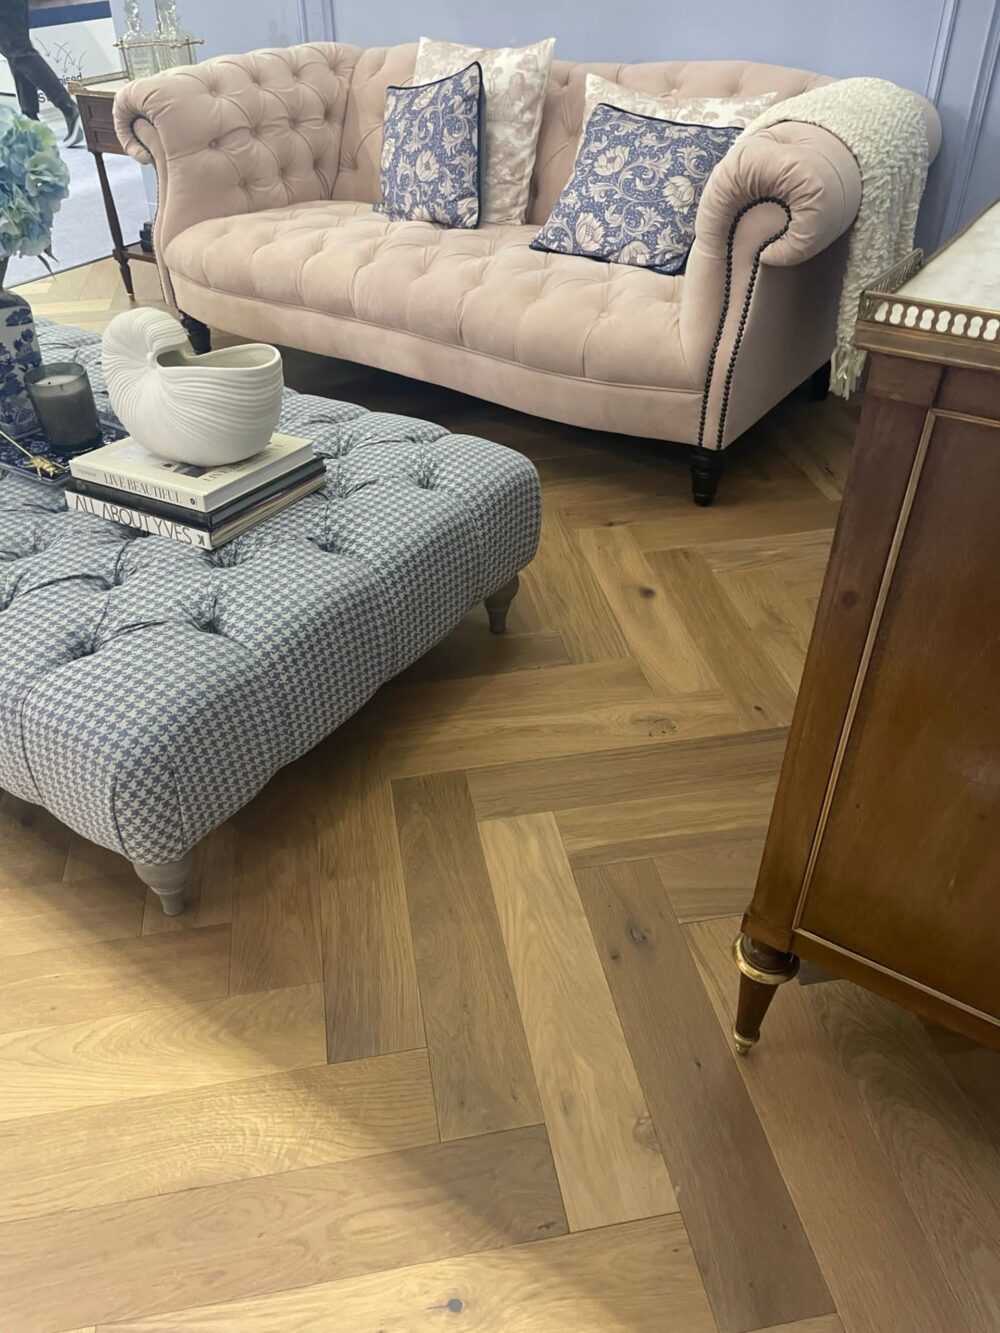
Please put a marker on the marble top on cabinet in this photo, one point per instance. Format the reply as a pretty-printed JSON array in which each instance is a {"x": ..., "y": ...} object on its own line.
[{"x": 965, "y": 272}]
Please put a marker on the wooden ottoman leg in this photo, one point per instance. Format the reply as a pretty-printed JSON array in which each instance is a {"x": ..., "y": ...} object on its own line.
[
  {"x": 167, "y": 882},
  {"x": 763, "y": 970},
  {"x": 498, "y": 603}
]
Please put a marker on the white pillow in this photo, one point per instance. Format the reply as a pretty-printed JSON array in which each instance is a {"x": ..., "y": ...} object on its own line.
[
  {"x": 674, "y": 106},
  {"x": 514, "y": 79}
]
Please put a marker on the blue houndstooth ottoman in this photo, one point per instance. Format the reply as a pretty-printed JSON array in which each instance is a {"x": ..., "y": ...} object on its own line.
[{"x": 148, "y": 690}]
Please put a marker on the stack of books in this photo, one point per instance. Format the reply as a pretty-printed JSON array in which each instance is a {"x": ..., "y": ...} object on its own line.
[{"x": 198, "y": 506}]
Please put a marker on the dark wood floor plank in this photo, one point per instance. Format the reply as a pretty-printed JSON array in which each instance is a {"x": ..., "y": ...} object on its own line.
[
  {"x": 483, "y": 1080},
  {"x": 227, "y": 1242},
  {"x": 724, "y": 1173}
]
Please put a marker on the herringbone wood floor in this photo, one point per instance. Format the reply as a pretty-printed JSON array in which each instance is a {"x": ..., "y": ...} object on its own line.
[{"x": 441, "y": 1041}]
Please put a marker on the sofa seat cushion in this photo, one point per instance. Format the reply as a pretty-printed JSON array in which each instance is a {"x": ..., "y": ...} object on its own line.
[{"x": 484, "y": 290}]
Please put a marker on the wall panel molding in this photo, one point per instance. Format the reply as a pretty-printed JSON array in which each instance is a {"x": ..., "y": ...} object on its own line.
[
  {"x": 959, "y": 191},
  {"x": 939, "y": 53},
  {"x": 316, "y": 20}
]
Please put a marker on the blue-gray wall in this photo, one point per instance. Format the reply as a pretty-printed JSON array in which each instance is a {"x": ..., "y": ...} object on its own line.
[{"x": 946, "y": 49}]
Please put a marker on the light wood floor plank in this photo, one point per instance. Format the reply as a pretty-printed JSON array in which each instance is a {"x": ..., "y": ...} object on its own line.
[
  {"x": 369, "y": 972},
  {"x": 933, "y": 1139},
  {"x": 726, "y": 522},
  {"x": 483, "y": 1080},
  {"x": 253, "y": 1127},
  {"x": 33, "y": 844},
  {"x": 762, "y": 698},
  {"x": 66, "y": 915},
  {"x": 873, "y": 1253},
  {"x": 639, "y": 1277},
  {"x": 722, "y": 1167},
  {"x": 228, "y": 1242},
  {"x": 711, "y": 874},
  {"x": 53, "y": 986},
  {"x": 570, "y": 599},
  {"x": 163, "y": 1050},
  {"x": 670, "y": 658},
  {"x": 607, "y": 1157},
  {"x": 275, "y": 878},
  {"x": 566, "y": 783}
]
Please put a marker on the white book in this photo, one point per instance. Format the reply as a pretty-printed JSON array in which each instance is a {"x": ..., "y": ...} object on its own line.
[
  {"x": 127, "y": 466},
  {"x": 186, "y": 533}
]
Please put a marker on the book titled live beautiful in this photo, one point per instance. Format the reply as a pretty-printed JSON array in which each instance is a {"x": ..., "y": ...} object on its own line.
[
  {"x": 127, "y": 466},
  {"x": 190, "y": 534}
]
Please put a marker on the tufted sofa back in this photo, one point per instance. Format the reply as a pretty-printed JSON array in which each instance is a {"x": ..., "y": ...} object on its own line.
[{"x": 562, "y": 120}]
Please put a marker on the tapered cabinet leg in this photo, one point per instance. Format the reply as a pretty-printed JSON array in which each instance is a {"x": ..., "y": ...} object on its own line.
[
  {"x": 763, "y": 969},
  {"x": 498, "y": 604},
  {"x": 199, "y": 333},
  {"x": 167, "y": 881},
  {"x": 706, "y": 469}
]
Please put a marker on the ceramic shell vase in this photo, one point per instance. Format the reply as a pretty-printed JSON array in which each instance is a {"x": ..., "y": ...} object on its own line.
[
  {"x": 221, "y": 407},
  {"x": 18, "y": 354}
]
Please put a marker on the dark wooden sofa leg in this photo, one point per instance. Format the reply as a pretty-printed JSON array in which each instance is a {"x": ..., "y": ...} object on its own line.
[
  {"x": 498, "y": 604},
  {"x": 706, "y": 469},
  {"x": 199, "y": 333},
  {"x": 818, "y": 383},
  {"x": 762, "y": 969}
]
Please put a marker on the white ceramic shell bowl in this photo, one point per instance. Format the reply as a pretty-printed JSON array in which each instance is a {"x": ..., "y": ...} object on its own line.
[{"x": 221, "y": 407}]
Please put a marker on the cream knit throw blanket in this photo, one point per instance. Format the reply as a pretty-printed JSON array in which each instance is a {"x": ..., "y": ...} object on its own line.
[{"x": 883, "y": 126}]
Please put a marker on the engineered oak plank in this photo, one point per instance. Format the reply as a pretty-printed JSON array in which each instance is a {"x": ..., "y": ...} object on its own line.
[
  {"x": 164, "y": 1050},
  {"x": 470, "y": 650},
  {"x": 635, "y": 830},
  {"x": 229, "y": 1242},
  {"x": 780, "y": 623},
  {"x": 937, "y": 1147},
  {"x": 670, "y": 658},
  {"x": 208, "y": 895},
  {"x": 252, "y": 1127},
  {"x": 824, "y": 1323},
  {"x": 569, "y": 597},
  {"x": 719, "y": 1160},
  {"x": 605, "y": 1149},
  {"x": 33, "y": 844},
  {"x": 483, "y": 1080},
  {"x": 725, "y": 522},
  {"x": 55, "y": 986},
  {"x": 565, "y": 783},
  {"x": 369, "y": 972},
  {"x": 977, "y": 1072},
  {"x": 275, "y": 874},
  {"x": 761, "y": 696},
  {"x": 639, "y": 1277},
  {"x": 878, "y": 1264},
  {"x": 710, "y": 874},
  {"x": 60, "y": 915}
]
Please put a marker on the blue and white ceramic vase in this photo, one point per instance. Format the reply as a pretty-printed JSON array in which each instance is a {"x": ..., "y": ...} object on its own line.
[{"x": 18, "y": 353}]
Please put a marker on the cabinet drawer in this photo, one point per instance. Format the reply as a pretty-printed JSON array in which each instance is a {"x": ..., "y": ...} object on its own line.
[{"x": 97, "y": 117}]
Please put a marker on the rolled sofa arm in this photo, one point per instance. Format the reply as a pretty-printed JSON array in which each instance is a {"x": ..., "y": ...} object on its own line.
[{"x": 238, "y": 133}]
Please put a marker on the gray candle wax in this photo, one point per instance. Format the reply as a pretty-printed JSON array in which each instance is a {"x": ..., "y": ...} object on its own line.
[{"x": 65, "y": 404}]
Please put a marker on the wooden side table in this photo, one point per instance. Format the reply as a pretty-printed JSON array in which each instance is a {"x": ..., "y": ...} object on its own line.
[{"x": 95, "y": 98}]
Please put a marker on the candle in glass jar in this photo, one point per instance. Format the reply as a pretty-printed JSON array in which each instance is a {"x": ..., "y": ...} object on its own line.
[{"x": 65, "y": 405}]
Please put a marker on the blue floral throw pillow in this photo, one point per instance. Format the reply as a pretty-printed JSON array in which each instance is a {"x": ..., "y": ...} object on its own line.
[
  {"x": 430, "y": 150},
  {"x": 634, "y": 191}
]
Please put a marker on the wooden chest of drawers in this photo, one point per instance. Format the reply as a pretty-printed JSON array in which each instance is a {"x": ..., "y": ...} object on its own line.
[{"x": 882, "y": 860}]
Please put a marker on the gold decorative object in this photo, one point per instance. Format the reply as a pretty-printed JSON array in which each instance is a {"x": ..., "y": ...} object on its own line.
[{"x": 44, "y": 467}]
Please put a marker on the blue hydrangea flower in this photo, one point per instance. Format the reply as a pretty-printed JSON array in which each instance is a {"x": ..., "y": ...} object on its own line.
[{"x": 34, "y": 180}]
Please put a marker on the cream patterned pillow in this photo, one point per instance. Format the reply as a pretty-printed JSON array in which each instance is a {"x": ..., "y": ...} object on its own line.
[
  {"x": 738, "y": 111},
  {"x": 514, "y": 79}
]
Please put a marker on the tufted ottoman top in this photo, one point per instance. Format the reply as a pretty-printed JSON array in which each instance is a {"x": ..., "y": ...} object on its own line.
[{"x": 148, "y": 690}]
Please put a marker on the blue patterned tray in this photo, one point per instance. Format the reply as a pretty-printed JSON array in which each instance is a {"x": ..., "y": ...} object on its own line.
[{"x": 13, "y": 460}]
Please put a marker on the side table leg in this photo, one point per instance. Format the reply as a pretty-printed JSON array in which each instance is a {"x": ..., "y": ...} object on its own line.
[
  {"x": 498, "y": 604},
  {"x": 167, "y": 881},
  {"x": 763, "y": 971},
  {"x": 117, "y": 242}
]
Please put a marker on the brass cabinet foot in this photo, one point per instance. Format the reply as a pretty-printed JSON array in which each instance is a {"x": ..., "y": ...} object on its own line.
[{"x": 763, "y": 969}]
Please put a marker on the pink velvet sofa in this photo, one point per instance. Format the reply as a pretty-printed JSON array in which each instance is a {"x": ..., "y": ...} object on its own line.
[{"x": 268, "y": 165}]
